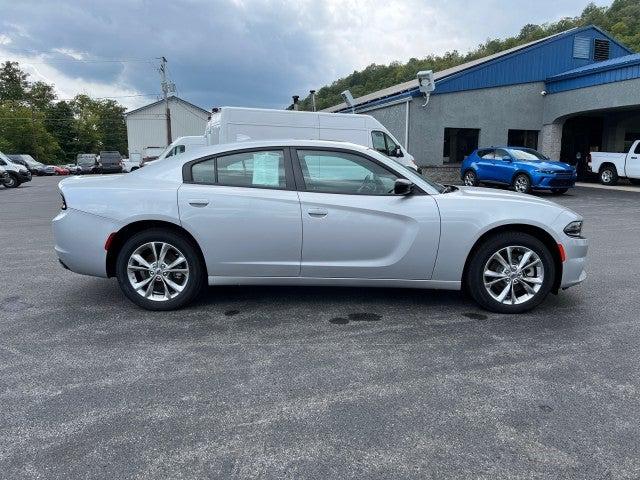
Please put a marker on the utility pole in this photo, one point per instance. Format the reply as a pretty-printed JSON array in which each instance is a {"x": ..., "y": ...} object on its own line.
[{"x": 165, "y": 91}]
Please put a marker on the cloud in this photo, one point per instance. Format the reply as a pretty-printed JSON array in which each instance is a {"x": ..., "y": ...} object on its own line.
[{"x": 243, "y": 52}]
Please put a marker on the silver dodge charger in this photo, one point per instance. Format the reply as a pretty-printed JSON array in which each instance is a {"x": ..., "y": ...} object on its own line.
[{"x": 312, "y": 213}]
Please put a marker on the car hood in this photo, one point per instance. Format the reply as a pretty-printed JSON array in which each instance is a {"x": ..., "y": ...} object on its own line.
[
  {"x": 548, "y": 165},
  {"x": 480, "y": 193}
]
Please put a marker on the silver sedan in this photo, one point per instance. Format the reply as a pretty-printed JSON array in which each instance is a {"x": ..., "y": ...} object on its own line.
[{"x": 312, "y": 213}]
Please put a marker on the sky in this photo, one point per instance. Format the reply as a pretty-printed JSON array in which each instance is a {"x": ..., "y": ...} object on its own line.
[{"x": 243, "y": 52}]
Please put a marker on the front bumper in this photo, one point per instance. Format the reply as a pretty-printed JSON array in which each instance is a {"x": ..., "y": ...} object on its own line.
[
  {"x": 79, "y": 241},
  {"x": 552, "y": 181}
]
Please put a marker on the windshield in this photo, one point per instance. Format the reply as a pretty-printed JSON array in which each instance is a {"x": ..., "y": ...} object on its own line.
[{"x": 528, "y": 154}]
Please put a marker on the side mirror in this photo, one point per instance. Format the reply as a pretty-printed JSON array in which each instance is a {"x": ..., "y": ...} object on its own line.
[
  {"x": 403, "y": 187},
  {"x": 397, "y": 152}
]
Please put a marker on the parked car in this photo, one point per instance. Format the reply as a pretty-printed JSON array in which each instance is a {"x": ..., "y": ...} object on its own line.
[
  {"x": 88, "y": 163},
  {"x": 177, "y": 147},
  {"x": 235, "y": 124},
  {"x": 235, "y": 214},
  {"x": 110, "y": 162},
  {"x": 612, "y": 166},
  {"x": 60, "y": 170},
  {"x": 49, "y": 170},
  {"x": 129, "y": 165},
  {"x": 73, "y": 168},
  {"x": 35, "y": 167},
  {"x": 18, "y": 174},
  {"x": 524, "y": 169},
  {"x": 150, "y": 154}
]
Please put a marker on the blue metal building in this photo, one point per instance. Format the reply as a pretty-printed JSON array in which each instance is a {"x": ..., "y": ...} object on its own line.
[{"x": 566, "y": 94}]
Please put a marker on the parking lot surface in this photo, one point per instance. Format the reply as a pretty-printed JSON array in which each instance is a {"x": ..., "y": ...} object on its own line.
[{"x": 317, "y": 382}]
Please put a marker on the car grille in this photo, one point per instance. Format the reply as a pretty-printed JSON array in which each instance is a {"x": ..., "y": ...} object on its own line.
[{"x": 558, "y": 182}]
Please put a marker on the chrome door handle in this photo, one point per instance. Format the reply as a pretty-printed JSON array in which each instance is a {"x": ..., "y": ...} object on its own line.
[
  {"x": 318, "y": 212},
  {"x": 634, "y": 158},
  {"x": 197, "y": 202}
]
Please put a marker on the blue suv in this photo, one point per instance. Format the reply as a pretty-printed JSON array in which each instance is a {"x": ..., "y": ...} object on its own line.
[{"x": 524, "y": 169}]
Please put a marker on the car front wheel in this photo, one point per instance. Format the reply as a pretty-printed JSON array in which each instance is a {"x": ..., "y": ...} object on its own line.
[
  {"x": 522, "y": 183},
  {"x": 12, "y": 181},
  {"x": 160, "y": 270},
  {"x": 510, "y": 273},
  {"x": 470, "y": 178}
]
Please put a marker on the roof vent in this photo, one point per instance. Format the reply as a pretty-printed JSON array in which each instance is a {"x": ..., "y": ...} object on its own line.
[{"x": 600, "y": 50}]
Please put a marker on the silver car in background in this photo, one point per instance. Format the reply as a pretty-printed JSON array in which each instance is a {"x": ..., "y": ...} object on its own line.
[{"x": 312, "y": 213}]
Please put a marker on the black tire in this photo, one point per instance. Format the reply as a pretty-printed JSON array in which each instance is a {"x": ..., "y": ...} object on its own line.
[
  {"x": 194, "y": 283},
  {"x": 12, "y": 181},
  {"x": 559, "y": 191},
  {"x": 474, "y": 279},
  {"x": 608, "y": 175},
  {"x": 521, "y": 183},
  {"x": 470, "y": 178}
]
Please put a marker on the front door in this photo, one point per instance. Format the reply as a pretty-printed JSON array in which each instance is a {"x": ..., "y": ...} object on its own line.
[
  {"x": 353, "y": 224},
  {"x": 503, "y": 167},
  {"x": 245, "y": 213},
  {"x": 632, "y": 167}
]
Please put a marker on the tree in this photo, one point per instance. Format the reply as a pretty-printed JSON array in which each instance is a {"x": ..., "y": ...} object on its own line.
[{"x": 13, "y": 83}]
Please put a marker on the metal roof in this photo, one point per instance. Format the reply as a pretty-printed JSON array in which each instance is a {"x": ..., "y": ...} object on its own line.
[
  {"x": 610, "y": 64},
  {"x": 172, "y": 97},
  {"x": 406, "y": 88}
]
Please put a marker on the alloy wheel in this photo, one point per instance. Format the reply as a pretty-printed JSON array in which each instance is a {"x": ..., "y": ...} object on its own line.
[
  {"x": 469, "y": 179},
  {"x": 513, "y": 275},
  {"x": 521, "y": 184},
  {"x": 158, "y": 271},
  {"x": 606, "y": 176}
]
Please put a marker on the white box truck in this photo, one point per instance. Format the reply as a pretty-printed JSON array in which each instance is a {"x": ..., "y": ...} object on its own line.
[{"x": 612, "y": 166}]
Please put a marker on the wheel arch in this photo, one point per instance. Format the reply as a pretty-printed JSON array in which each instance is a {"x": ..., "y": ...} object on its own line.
[
  {"x": 608, "y": 164},
  {"x": 541, "y": 234},
  {"x": 120, "y": 237},
  {"x": 521, "y": 171}
]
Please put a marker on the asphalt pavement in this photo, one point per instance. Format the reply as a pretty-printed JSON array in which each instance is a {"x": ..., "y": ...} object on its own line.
[{"x": 322, "y": 383}]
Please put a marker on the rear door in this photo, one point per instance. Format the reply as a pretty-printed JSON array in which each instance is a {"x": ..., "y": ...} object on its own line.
[
  {"x": 632, "y": 166},
  {"x": 353, "y": 224},
  {"x": 243, "y": 209}
]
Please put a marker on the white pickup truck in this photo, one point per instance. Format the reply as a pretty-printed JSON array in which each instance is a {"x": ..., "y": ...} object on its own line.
[{"x": 612, "y": 166}]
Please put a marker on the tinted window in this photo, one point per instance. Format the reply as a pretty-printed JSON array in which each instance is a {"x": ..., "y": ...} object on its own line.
[
  {"x": 338, "y": 172},
  {"x": 204, "y": 172},
  {"x": 486, "y": 154},
  {"x": 263, "y": 169},
  {"x": 501, "y": 154},
  {"x": 637, "y": 150}
]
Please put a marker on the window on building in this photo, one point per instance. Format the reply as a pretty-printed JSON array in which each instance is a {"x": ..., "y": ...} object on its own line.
[
  {"x": 600, "y": 50},
  {"x": 523, "y": 138},
  {"x": 459, "y": 143},
  {"x": 582, "y": 47}
]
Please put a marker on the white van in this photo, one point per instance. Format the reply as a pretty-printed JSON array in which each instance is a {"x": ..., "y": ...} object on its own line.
[
  {"x": 234, "y": 124},
  {"x": 180, "y": 145}
]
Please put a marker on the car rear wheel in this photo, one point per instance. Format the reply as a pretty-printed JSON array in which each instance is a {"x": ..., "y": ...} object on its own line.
[
  {"x": 470, "y": 178},
  {"x": 12, "y": 181},
  {"x": 160, "y": 270},
  {"x": 522, "y": 183},
  {"x": 608, "y": 175},
  {"x": 559, "y": 191},
  {"x": 510, "y": 273}
]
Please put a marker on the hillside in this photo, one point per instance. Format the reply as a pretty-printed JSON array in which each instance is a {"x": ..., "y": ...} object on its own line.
[{"x": 621, "y": 19}]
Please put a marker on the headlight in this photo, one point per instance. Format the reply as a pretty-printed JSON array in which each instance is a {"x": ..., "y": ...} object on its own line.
[
  {"x": 550, "y": 172},
  {"x": 574, "y": 229},
  {"x": 63, "y": 203}
]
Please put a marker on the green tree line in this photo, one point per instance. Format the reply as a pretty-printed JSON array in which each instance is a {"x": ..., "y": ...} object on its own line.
[
  {"x": 621, "y": 19},
  {"x": 35, "y": 122}
]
